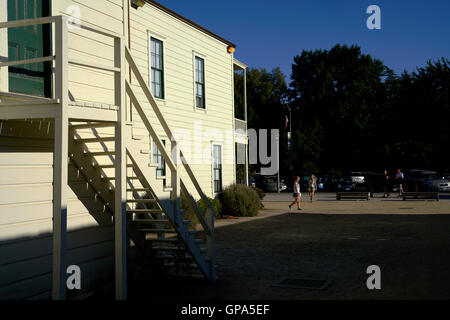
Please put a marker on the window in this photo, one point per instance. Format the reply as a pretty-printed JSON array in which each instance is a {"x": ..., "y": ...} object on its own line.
[
  {"x": 159, "y": 160},
  {"x": 199, "y": 83},
  {"x": 217, "y": 168},
  {"x": 157, "y": 68}
]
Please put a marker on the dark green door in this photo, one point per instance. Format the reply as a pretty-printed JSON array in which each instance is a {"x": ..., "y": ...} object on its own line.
[{"x": 28, "y": 43}]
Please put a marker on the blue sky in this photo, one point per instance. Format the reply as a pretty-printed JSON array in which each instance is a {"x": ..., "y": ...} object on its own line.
[{"x": 270, "y": 33}]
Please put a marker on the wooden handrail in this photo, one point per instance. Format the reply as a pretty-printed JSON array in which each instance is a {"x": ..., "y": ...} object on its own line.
[
  {"x": 148, "y": 126},
  {"x": 26, "y": 61},
  {"x": 197, "y": 210},
  {"x": 28, "y": 22}
]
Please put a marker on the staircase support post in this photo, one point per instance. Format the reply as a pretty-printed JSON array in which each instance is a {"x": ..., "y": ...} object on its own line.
[
  {"x": 175, "y": 184},
  {"x": 4, "y": 47},
  {"x": 60, "y": 163},
  {"x": 120, "y": 162},
  {"x": 210, "y": 243}
]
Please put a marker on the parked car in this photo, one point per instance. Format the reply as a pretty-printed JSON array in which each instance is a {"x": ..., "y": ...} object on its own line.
[
  {"x": 327, "y": 183},
  {"x": 346, "y": 183},
  {"x": 251, "y": 182},
  {"x": 320, "y": 183},
  {"x": 426, "y": 180},
  {"x": 359, "y": 180},
  {"x": 269, "y": 183}
]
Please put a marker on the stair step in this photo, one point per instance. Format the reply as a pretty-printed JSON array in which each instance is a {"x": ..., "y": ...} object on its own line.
[
  {"x": 100, "y": 153},
  {"x": 187, "y": 257},
  {"x": 144, "y": 211},
  {"x": 90, "y": 140},
  {"x": 172, "y": 240},
  {"x": 158, "y": 230},
  {"x": 173, "y": 265},
  {"x": 142, "y": 201},
  {"x": 93, "y": 125},
  {"x": 160, "y": 178},
  {"x": 109, "y": 166},
  {"x": 151, "y": 221},
  {"x": 139, "y": 190},
  {"x": 161, "y": 248},
  {"x": 114, "y": 178},
  {"x": 168, "y": 189}
]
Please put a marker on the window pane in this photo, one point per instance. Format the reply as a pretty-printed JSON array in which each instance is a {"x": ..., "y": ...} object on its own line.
[
  {"x": 159, "y": 160},
  {"x": 157, "y": 68},
  {"x": 217, "y": 165},
  {"x": 153, "y": 60},
  {"x": 199, "y": 82}
]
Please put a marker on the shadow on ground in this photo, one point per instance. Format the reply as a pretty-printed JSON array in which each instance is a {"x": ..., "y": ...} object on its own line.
[{"x": 413, "y": 252}]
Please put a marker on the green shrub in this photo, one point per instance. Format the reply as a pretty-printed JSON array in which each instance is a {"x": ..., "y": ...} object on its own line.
[
  {"x": 240, "y": 201},
  {"x": 215, "y": 203},
  {"x": 261, "y": 195},
  {"x": 189, "y": 214}
]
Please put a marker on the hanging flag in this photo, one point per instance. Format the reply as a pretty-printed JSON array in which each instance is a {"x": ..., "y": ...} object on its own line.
[{"x": 286, "y": 123}]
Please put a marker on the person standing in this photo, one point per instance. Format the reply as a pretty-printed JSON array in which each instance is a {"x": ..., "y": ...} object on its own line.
[
  {"x": 386, "y": 184},
  {"x": 399, "y": 177},
  {"x": 297, "y": 194},
  {"x": 312, "y": 186}
]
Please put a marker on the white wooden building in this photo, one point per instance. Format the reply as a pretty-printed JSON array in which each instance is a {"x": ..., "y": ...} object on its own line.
[{"x": 109, "y": 111}]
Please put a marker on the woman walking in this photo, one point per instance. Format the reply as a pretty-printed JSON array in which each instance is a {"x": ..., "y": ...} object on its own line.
[
  {"x": 297, "y": 194},
  {"x": 312, "y": 186}
]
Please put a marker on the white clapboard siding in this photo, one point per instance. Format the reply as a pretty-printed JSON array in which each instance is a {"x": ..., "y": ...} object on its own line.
[
  {"x": 180, "y": 41},
  {"x": 87, "y": 84},
  {"x": 26, "y": 221}
]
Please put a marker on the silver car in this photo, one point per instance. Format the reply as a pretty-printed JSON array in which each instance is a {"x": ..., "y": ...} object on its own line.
[{"x": 428, "y": 180}]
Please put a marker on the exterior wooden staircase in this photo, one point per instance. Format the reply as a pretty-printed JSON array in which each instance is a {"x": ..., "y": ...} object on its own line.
[
  {"x": 154, "y": 226},
  {"x": 113, "y": 164}
]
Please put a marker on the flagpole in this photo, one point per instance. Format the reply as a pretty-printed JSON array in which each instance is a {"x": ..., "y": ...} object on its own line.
[{"x": 290, "y": 139}]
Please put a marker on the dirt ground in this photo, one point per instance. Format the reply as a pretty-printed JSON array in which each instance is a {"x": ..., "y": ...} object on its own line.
[{"x": 329, "y": 240}]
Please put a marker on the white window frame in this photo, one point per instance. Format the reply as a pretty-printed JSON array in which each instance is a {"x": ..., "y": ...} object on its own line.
[
  {"x": 150, "y": 35},
  {"x": 220, "y": 144},
  {"x": 205, "y": 61}
]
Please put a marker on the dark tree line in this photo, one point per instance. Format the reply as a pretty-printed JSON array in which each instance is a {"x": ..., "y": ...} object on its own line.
[{"x": 350, "y": 112}]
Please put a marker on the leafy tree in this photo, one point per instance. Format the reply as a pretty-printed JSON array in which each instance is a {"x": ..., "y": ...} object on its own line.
[
  {"x": 338, "y": 95},
  {"x": 350, "y": 112}
]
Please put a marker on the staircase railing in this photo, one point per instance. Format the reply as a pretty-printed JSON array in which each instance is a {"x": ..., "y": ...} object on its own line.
[{"x": 174, "y": 160}]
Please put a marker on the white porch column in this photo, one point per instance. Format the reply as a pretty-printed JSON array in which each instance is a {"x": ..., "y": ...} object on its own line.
[
  {"x": 60, "y": 164},
  {"x": 4, "y": 46},
  {"x": 120, "y": 214},
  {"x": 246, "y": 127}
]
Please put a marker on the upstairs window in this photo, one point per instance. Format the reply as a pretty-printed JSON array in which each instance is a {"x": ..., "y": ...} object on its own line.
[
  {"x": 200, "y": 83},
  {"x": 157, "y": 68}
]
